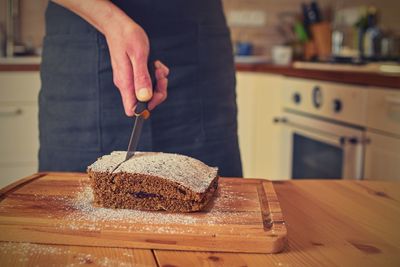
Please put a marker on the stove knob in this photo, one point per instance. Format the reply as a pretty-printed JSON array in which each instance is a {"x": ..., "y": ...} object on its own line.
[
  {"x": 337, "y": 105},
  {"x": 317, "y": 97},
  {"x": 296, "y": 98}
]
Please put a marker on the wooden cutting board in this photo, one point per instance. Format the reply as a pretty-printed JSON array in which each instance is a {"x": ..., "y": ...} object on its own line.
[{"x": 55, "y": 208}]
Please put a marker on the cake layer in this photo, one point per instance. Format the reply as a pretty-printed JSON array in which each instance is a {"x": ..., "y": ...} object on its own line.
[
  {"x": 152, "y": 181},
  {"x": 185, "y": 171},
  {"x": 151, "y": 202},
  {"x": 130, "y": 183}
]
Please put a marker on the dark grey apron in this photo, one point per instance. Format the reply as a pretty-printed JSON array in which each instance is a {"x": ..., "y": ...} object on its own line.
[{"x": 81, "y": 115}]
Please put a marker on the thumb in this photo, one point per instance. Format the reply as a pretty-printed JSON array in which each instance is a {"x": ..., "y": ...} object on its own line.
[{"x": 142, "y": 80}]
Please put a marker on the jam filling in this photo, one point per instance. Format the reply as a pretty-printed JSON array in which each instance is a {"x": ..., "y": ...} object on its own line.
[{"x": 142, "y": 194}]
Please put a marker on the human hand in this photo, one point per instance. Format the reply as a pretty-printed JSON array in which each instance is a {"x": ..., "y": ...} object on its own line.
[{"x": 129, "y": 50}]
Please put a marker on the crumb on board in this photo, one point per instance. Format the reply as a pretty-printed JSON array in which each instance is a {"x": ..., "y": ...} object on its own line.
[
  {"x": 83, "y": 215},
  {"x": 23, "y": 253}
]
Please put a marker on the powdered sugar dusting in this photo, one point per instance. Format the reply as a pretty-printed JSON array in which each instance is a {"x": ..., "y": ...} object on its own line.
[
  {"x": 84, "y": 203},
  {"x": 186, "y": 171},
  {"x": 83, "y": 215},
  {"x": 25, "y": 252},
  {"x": 87, "y": 216}
]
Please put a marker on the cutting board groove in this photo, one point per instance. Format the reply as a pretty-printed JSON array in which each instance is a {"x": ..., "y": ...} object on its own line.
[{"x": 245, "y": 216}]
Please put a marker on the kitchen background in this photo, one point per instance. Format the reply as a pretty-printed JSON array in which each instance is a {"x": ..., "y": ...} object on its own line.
[
  {"x": 274, "y": 14},
  {"x": 338, "y": 117},
  {"x": 257, "y": 21}
]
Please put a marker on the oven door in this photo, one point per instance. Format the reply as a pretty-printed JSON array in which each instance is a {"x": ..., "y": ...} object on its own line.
[{"x": 314, "y": 148}]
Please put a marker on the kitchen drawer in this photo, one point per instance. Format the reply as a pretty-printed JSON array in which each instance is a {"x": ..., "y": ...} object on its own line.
[
  {"x": 382, "y": 157},
  {"x": 12, "y": 172},
  {"x": 383, "y": 112},
  {"x": 19, "y": 135},
  {"x": 21, "y": 86}
]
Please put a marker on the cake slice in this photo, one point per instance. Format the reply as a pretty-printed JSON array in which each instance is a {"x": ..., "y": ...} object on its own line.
[{"x": 152, "y": 181}]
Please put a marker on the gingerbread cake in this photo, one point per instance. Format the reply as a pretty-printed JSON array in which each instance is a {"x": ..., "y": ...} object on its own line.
[{"x": 152, "y": 181}]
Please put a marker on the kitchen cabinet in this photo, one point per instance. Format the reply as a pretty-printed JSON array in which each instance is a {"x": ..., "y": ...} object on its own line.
[
  {"x": 382, "y": 157},
  {"x": 383, "y": 112},
  {"x": 19, "y": 136},
  {"x": 259, "y": 101},
  {"x": 382, "y": 152}
]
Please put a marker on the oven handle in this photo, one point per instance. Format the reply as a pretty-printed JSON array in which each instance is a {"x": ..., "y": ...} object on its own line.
[{"x": 313, "y": 134}]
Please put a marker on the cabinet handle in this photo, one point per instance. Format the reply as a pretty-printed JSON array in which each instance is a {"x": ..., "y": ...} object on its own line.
[
  {"x": 10, "y": 112},
  {"x": 279, "y": 120},
  {"x": 354, "y": 140},
  {"x": 393, "y": 100}
]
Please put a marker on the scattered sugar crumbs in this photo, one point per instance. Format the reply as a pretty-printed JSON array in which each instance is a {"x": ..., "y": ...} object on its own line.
[
  {"x": 25, "y": 252},
  {"x": 79, "y": 213}
]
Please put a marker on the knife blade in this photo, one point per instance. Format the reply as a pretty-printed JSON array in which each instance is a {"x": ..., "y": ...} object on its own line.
[
  {"x": 135, "y": 136},
  {"x": 141, "y": 114}
]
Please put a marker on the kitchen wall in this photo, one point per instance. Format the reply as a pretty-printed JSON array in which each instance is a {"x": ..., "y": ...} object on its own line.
[{"x": 264, "y": 37}]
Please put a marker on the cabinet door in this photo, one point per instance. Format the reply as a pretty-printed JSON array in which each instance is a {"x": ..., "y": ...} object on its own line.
[
  {"x": 384, "y": 110},
  {"x": 382, "y": 158},
  {"x": 19, "y": 86},
  {"x": 259, "y": 101},
  {"x": 246, "y": 121},
  {"x": 19, "y": 136}
]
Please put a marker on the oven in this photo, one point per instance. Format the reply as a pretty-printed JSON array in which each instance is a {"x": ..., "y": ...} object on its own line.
[
  {"x": 314, "y": 148},
  {"x": 323, "y": 130}
]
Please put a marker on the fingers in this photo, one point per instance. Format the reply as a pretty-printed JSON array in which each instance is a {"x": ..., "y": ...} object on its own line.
[
  {"x": 123, "y": 79},
  {"x": 132, "y": 78},
  {"x": 142, "y": 81},
  {"x": 129, "y": 50},
  {"x": 160, "y": 92},
  {"x": 161, "y": 68}
]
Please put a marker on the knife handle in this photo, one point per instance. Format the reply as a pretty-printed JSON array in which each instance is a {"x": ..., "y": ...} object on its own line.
[{"x": 141, "y": 107}]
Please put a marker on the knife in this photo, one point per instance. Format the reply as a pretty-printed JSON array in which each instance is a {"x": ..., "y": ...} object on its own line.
[{"x": 142, "y": 113}]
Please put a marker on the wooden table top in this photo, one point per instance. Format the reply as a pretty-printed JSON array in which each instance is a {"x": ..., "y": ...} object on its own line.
[{"x": 330, "y": 223}]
